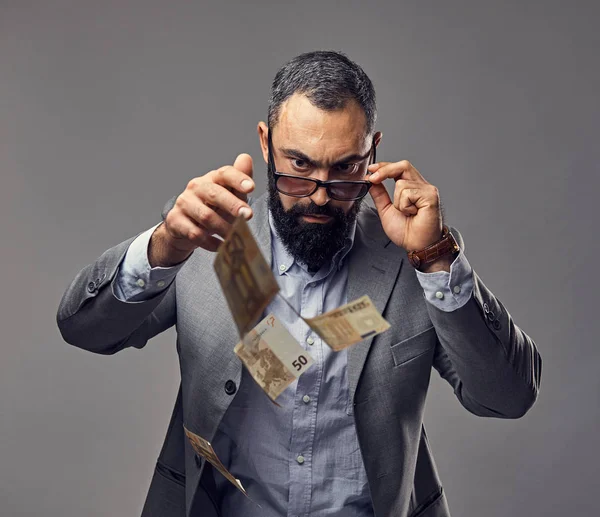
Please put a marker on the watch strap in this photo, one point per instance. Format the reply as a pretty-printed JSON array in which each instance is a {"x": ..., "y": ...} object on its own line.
[{"x": 446, "y": 245}]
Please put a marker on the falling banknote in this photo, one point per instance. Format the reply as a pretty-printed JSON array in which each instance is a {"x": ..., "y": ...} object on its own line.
[
  {"x": 245, "y": 277},
  {"x": 204, "y": 448},
  {"x": 272, "y": 356},
  {"x": 349, "y": 323}
]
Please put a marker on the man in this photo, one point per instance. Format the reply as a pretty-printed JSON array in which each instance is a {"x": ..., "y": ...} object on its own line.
[{"x": 348, "y": 439}]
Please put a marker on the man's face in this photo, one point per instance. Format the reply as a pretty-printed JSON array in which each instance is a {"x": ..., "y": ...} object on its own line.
[{"x": 325, "y": 145}]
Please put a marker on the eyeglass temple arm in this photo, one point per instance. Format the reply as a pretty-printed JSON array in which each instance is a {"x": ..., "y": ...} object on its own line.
[
  {"x": 374, "y": 152},
  {"x": 271, "y": 164}
]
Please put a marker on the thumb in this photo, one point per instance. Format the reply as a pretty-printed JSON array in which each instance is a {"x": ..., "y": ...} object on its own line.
[
  {"x": 381, "y": 198},
  {"x": 244, "y": 163}
]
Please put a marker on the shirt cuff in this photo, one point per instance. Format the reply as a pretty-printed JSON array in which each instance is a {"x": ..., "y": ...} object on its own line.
[
  {"x": 448, "y": 291},
  {"x": 135, "y": 279}
]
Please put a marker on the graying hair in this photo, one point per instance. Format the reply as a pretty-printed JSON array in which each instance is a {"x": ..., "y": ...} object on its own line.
[{"x": 329, "y": 79}]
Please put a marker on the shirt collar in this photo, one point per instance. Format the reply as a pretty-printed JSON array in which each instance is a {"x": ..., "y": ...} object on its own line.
[{"x": 283, "y": 260}]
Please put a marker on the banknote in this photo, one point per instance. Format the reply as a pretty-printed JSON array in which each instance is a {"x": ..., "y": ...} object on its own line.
[
  {"x": 204, "y": 448},
  {"x": 245, "y": 277},
  {"x": 349, "y": 323},
  {"x": 272, "y": 356}
]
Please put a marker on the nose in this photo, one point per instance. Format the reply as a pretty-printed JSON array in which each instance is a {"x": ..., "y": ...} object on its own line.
[{"x": 320, "y": 197}]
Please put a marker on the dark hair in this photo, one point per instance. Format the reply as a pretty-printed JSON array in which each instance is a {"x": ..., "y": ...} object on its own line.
[{"x": 329, "y": 79}]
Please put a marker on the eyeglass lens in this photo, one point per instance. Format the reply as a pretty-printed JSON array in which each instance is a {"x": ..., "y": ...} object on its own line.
[{"x": 304, "y": 187}]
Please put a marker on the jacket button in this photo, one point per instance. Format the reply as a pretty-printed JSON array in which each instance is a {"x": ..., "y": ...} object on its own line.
[
  {"x": 491, "y": 316},
  {"x": 198, "y": 461},
  {"x": 497, "y": 324},
  {"x": 91, "y": 287},
  {"x": 486, "y": 308},
  {"x": 230, "y": 387}
]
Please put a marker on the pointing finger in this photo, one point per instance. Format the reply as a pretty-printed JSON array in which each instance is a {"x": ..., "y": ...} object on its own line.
[
  {"x": 243, "y": 163},
  {"x": 234, "y": 179}
]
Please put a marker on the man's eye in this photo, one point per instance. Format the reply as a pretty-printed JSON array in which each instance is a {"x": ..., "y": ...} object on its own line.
[
  {"x": 347, "y": 168},
  {"x": 299, "y": 164}
]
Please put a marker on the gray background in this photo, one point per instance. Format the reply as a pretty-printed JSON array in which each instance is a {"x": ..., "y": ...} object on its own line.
[{"x": 107, "y": 109}]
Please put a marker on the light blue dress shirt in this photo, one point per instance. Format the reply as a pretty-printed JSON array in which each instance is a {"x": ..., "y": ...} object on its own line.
[{"x": 303, "y": 458}]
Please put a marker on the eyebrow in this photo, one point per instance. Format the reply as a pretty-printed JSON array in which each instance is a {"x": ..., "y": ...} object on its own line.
[{"x": 355, "y": 157}]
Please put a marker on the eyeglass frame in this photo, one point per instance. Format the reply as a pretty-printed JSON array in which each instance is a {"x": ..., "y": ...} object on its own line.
[{"x": 319, "y": 183}]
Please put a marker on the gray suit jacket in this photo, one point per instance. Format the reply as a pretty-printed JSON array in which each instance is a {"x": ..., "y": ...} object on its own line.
[{"x": 492, "y": 365}]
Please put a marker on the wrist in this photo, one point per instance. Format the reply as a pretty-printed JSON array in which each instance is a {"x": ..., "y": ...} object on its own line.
[
  {"x": 161, "y": 250},
  {"x": 441, "y": 264}
]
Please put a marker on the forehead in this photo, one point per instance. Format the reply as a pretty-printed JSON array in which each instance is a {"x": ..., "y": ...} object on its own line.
[{"x": 320, "y": 133}]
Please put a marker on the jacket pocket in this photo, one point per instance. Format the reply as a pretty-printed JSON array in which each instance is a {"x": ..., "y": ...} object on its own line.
[
  {"x": 432, "y": 507},
  {"x": 170, "y": 474},
  {"x": 166, "y": 494},
  {"x": 414, "y": 346}
]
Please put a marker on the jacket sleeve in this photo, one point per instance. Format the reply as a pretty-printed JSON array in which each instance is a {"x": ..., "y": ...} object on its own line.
[
  {"x": 493, "y": 366},
  {"x": 92, "y": 317},
  {"x": 136, "y": 280},
  {"x": 444, "y": 282}
]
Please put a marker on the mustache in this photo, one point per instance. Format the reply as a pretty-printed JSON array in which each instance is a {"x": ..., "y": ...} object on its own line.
[{"x": 314, "y": 209}]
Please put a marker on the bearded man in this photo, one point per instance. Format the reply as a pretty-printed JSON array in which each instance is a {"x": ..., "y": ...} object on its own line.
[{"x": 347, "y": 438}]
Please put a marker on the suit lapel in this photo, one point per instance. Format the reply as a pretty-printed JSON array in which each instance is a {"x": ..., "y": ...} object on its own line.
[
  {"x": 373, "y": 269},
  {"x": 259, "y": 225}
]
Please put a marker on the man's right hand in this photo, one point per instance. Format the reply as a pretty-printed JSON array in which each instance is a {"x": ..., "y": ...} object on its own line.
[{"x": 207, "y": 207}]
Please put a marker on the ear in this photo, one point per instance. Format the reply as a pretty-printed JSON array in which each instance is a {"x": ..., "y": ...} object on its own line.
[
  {"x": 263, "y": 134},
  {"x": 377, "y": 138}
]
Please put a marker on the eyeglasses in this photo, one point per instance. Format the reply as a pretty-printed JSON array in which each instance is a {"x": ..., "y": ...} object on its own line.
[{"x": 298, "y": 186}]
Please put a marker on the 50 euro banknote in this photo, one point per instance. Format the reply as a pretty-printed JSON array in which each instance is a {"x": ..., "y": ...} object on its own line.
[
  {"x": 245, "y": 277},
  {"x": 272, "y": 356},
  {"x": 204, "y": 449},
  {"x": 349, "y": 323}
]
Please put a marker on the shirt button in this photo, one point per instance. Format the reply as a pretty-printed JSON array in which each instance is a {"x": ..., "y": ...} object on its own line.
[
  {"x": 300, "y": 459},
  {"x": 160, "y": 283},
  {"x": 306, "y": 399},
  {"x": 140, "y": 282},
  {"x": 456, "y": 289},
  {"x": 310, "y": 341},
  {"x": 282, "y": 267},
  {"x": 439, "y": 295}
]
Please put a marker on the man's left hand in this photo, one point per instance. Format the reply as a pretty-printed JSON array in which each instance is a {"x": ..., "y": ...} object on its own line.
[{"x": 413, "y": 220}]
